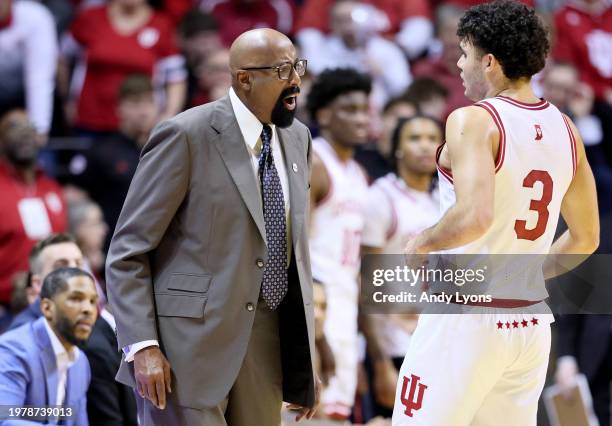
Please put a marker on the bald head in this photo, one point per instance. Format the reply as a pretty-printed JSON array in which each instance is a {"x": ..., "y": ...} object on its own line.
[{"x": 256, "y": 48}]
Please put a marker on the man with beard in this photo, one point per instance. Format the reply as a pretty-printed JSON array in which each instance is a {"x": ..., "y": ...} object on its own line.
[
  {"x": 208, "y": 271},
  {"x": 40, "y": 363},
  {"x": 32, "y": 206},
  {"x": 338, "y": 103}
]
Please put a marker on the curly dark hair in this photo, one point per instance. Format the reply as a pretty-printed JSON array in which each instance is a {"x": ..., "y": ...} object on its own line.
[
  {"x": 511, "y": 32},
  {"x": 332, "y": 83}
]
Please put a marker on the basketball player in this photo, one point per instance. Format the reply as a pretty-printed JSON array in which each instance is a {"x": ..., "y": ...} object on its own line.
[
  {"x": 338, "y": 103},
  {"x": 400, "y": 205},
  {"x": 511, "y": 164}
]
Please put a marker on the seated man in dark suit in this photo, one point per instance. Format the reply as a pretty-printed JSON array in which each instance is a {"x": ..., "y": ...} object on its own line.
[
  {"x": 109, "y": 403},
  {"x": 40, "y": 363},
  {"x": 55, "y": 251}
]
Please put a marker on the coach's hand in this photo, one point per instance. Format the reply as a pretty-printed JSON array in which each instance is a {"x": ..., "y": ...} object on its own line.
[
  {"x": 307, "y": 412},
  {"x": 152, "y": 373}
]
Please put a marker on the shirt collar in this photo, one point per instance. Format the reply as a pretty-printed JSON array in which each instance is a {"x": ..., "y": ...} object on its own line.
[
  {"x": 109, "y": 318},
  {"x": 250, "y": 126},
  {"x": 58, "y": 349}
]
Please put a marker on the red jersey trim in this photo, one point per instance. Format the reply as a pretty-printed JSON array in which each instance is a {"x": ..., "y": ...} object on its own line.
[
  {"x": 501, "y": 152},
  {"x": 572, "y": 143},
  {"x": 9, "y": 18},
  {"x": 448, "y": 174},
  {"x": 500, "y": 303},
  {"x": 543, "y": 104}
]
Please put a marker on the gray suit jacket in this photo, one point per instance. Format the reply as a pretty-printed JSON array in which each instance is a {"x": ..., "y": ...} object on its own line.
[{"x": 184, "y": 262}]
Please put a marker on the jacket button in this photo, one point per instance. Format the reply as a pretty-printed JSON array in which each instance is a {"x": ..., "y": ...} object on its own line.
[
  {"x": 250, "y": 307},
  {"x": 260, "y": 263}
]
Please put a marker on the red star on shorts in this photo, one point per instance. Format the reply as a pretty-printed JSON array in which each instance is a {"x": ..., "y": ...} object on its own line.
[
  {"x": 525, "y": 323},
  {"x": 515, "y": 324},
  {"x": 534, "y": 321},
  {"x": 499, "y": 325},
  {"x": 507, "y": 325}
]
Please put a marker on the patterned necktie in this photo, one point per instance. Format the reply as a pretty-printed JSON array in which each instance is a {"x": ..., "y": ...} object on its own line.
[{"x": 275, "y": 282}]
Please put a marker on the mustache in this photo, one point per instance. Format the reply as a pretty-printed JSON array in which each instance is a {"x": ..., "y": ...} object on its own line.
[{"x": 294, "y": 90}]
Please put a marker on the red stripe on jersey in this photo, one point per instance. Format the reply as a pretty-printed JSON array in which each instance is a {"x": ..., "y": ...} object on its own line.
[
  {"x": 445, "y": 172},
  {"x": 543, "y": 104},
  {"x": 572, "y": 142},
  {"x": 501, "y": 151}
]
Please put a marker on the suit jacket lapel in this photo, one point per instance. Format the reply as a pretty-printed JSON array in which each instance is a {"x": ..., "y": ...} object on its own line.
[
  {"x": 231, "y": 146},
  {"x": 297, "y": 193},
  {"x": 47, "y": 358}
]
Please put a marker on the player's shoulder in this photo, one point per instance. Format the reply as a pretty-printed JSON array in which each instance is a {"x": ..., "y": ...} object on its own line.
[{"x": 471, "y": 114}]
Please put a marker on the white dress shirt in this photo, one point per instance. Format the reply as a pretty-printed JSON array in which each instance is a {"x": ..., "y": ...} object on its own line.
[
  {"x": 251, "y": 129},
  {"x": 64, "y": 361}
]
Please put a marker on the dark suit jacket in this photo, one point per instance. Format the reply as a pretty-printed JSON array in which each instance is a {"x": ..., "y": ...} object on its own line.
[
  {"x": 186, "y": 261},
  {"x": 586, "y": 338},
  {"x": 28, "y": 374},
  {"x": 109, "y": 403}
]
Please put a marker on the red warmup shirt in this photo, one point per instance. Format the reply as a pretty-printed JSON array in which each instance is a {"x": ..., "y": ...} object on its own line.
[
  {"x": 585, "y": 40},
  {"x": 28, "y": 213},
  {"x": 315, "y": 13},
  {"x": 111, "y": 57}
]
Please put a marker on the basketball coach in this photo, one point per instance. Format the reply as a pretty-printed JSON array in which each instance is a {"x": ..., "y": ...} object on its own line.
[{"x": 208, "y": 271}]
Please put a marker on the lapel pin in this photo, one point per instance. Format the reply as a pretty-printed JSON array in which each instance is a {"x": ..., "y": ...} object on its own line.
[{"x": 295, "y": 167}]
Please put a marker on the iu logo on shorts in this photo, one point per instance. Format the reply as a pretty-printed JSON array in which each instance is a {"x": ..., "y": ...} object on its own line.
[
  {"x": 414, "y": 399},
  {"x": 539, "y": 134}
]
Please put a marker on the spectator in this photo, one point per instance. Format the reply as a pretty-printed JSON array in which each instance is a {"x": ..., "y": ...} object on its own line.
[
  {"x": 28, "y": 47},
  {"x": 354, "y": 43},
  {"x": 199, "y": 37},
  {"x": 118, "y": 39},
  {"x": 409, "y": 21},
  {"x": 214, "y": 78},
  {"x": 55, "y": 251},
  {"x": 32, "y": 206},
  {"x": 106, "y": 170},
  {"x": 237, "y": 16},
  {"x": 40, "y": 363},
  {"x": 429, "y": 96},
  {"x": 86, "y": 223},
  {"x": 584, "y": 38},
  {"x": 442, "y": 65},
  {"x": 395, "y": 109}
]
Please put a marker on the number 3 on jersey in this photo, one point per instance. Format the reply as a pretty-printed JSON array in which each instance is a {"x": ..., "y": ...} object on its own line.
[{"x": 540, "y": 206}]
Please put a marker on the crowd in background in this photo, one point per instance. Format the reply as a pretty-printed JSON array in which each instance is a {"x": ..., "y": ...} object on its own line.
[{"x": 83, "y": 82}]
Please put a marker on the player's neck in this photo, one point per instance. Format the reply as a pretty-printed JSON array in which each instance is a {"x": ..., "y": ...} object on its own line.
[
  {"x": 344, "y": 152},
  {"x": 519, "y": 90},
  {"x": 417, "y": 181}
]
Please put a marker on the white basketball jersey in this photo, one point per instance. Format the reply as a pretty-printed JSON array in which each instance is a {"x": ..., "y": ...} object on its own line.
[
  {"x": 396, "y": 213},
  {"x": 535, "y": 165},
  {"x": 337, "y": 222}
]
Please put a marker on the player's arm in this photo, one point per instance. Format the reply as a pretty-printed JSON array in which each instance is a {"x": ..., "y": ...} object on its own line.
[
  {"x": 580, "y": 213},
  {"x": 319, "y": 182},
  {"x": 471, "y": 136}
]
